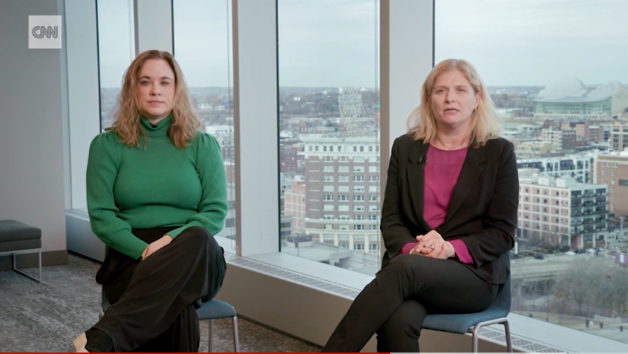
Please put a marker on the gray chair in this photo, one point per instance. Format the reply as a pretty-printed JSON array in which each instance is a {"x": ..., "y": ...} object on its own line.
[
  {"x": 216, "y": 309},
  {"x": 17, "y": 238},
  {"x": 472, "y": 322},
  {"x": 211, "y": 310}
]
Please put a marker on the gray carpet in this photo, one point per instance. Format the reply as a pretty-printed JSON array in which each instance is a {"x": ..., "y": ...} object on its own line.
[{"x": 45, "y": 317}]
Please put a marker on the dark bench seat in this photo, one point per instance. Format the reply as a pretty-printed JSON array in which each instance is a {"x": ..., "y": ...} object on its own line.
[{"x": 17, "y": 238}]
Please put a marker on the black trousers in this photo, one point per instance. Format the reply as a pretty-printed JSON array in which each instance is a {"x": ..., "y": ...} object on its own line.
[
  {"x": 153, "y": 300},
  {"x": 395, "y": 303}
]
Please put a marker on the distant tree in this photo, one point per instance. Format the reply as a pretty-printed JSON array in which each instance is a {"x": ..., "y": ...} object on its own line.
[
  {"x": 595, "y": 286},
  {"x": 559, "y": 303},
  {"x": 618, "y": 281}
]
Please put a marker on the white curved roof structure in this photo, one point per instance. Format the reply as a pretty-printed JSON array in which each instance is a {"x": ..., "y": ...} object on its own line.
[
  {"x": 567, "y": 88},
  {"x": 605, "y": 91},
  {"x": 574, "y": 90}
]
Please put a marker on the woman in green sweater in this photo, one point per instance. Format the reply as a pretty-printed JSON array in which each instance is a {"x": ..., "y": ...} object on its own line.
[{"x": 155, "y": 194}]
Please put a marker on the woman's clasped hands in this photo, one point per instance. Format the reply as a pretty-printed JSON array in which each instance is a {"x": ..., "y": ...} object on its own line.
[
  {"x": 433, "y": 245},
  {"x": 156, "y": 245}
]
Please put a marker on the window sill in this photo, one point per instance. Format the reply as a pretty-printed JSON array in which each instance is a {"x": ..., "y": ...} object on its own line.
[
  {"x": 346, "y": 278},
  {"x": 562, "y": 338}
]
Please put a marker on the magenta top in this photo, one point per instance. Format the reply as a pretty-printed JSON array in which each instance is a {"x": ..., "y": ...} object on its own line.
[{"x": 440, "y": 171}]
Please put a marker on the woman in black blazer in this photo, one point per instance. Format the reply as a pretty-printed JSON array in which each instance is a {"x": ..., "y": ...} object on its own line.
[{"x": 448, "y": 219}]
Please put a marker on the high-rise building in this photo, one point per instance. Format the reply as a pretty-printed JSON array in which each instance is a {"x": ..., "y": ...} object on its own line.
[
  {"x": 289, "y": 158},
  {"x": 342, "y": 190},
  {"x": 294, "y": 205},
  {"x": 562, "y": 212},
  {"x": 224, "y": 137},
  {"x": 611, "y": 169},
  {"x": 594, "y": 133},
  {"x": 564, "y": 139},
  {"x": 618, "y": 138},
  {"x": 576, "y": 166}
]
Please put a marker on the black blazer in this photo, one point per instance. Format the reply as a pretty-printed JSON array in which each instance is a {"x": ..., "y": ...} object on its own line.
[{"x": 482, "y": 211}]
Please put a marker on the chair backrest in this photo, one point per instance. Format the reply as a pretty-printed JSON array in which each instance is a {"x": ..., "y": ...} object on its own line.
[{"x": 503, "y": 298}]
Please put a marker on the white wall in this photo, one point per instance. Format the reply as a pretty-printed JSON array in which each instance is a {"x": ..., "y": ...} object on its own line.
[{"x": 32, "y": 126}]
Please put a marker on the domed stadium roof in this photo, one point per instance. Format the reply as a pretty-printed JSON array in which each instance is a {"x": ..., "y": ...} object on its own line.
[
  {"x": 574, "y": 90},
  {"x": 606, "y": 90},
  {"x": 568, "y": 89}
]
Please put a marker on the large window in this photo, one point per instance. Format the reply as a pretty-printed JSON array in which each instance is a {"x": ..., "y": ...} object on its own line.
[
  {"x": 202, "y": 47},
  {"x": 329, "y": 125},
  {"x": 324, "y": 172},
  {"x": 116, "y": 50},
  {"x": 556, "y": 71},
  {"x": 100, "y": 45}
]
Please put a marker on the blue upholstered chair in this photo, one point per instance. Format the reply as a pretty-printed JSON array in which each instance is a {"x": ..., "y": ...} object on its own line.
[
  {"x": 472, "y": 322},
  {"x": 211, "y": 310},
  {"x": 216, "y": 309}
]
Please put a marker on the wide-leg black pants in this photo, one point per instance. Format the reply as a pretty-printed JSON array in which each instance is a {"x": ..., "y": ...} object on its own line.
[
  {"x": 153, "y": 300},
  {"x": 395, "y": 303}
]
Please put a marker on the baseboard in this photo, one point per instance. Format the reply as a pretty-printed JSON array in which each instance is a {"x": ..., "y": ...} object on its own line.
[{"x": 30, "y": 260}]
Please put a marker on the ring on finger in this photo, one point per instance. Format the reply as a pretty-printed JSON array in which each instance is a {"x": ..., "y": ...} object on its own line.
[{"x": 432, "y": 246}]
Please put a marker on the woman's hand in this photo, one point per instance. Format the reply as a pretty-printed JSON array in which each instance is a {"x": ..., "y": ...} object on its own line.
[
  {"x": 156, "y": 245},
  {"x": 433, "y": 245}
]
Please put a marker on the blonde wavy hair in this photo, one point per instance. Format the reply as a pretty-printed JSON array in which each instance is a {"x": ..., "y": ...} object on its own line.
[
  {"x": 183, "y": 119},
  {"x": 421, "y": 123}
]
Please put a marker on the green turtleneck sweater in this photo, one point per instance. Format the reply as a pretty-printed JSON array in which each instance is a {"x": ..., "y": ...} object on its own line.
[{"x": 153, "y": 185}]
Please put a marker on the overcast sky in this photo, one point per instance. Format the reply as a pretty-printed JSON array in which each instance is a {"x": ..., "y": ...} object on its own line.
[
  {"x": 536, "y": 42},
  {"x": 333, "y": 42}
]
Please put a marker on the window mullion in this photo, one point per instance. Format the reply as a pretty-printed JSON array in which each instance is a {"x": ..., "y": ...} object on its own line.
[{"x": 256, "y": 126}]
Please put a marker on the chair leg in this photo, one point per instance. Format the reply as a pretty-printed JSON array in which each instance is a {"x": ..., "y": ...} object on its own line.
[
  {"x": 14, "y": 257},
  {"x": 39, "y": 265},
  {"x": 210, "y": 342},
  {"x": 476, "y": 330},
  {"x": 236, "y": 341},
  {"x": 507, "y": 334},
  {"x": 474, "y": 338}
]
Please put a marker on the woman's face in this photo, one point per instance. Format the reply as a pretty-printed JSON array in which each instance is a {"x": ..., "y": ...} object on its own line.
[
  {"x": 155, "y": 90},
  {"x": 453, "y": 100}
]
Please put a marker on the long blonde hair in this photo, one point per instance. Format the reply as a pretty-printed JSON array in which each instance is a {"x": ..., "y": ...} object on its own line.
[
  {"x": 183, "y": 119},
  {"x": 421, "y": 123}
]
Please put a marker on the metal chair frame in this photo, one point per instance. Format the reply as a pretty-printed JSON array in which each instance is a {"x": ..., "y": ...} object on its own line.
[
  {"x": 14, "y": 261},
  {"x": 474, "y": 330},
  {"x": 234, "y": 323}
]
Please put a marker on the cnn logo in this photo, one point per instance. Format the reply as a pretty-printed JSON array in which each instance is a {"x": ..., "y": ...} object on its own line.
[
  {"x": 48, "y": 32},
  {"x": 44, "y": 32}
]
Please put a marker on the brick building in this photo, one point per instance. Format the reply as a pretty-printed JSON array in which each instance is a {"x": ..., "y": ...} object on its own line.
[
  {"x": 342, "y": 205},
  {"x": 611, "y": 169},
  {"x": 562, "y": 212}
]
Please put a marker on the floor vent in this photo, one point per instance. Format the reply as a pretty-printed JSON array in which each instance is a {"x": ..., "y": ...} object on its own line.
[{"x": 495, "y": 334}]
